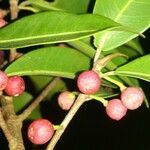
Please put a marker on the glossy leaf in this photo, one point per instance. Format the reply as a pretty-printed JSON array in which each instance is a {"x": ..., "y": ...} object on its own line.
[
  {"x": 134, "y": 14},
  {"x": 138, "y": 68},
  {"x": 75, "y": 6},
  {"x": 62, "y": 5},
  {"x": 55, "y": 61},
  {"x": 43, "y": 5},
  {"x": 51, "y": 27},
  {"x": 83, "y": 47}
]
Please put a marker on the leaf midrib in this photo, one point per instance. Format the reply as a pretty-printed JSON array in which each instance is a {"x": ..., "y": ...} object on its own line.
[
  {"x": 47, "y": 36},
  {"x": 123, "y": 10},
  {"x": 106, "y": 35},
  {"x": 42, "y": 72},
  {"x": 131, "y": 73}
]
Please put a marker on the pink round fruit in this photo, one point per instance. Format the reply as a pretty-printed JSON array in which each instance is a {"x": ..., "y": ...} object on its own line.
[
  {"x": 132, "y": 97},
  {"x": 15, "y": 86},
  {"x": 2, "y": 23},
  {"x": 88, "y": 82},
  {"x": 3, "y": 80},
  {"x": 115, "y": 109},
  {"x": 40, "y": 131},
  {"x": 66, "y": 100}
]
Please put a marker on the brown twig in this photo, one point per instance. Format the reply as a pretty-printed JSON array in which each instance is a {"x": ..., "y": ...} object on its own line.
[
  {"x": 36, "y": 102},
  {"x": 14, "y": 10},
  {"x": 10, "y": 125},
  {"x": 78, "y": 103},
  {"x": 4, "y": 63},
  {"x": 5, "y": 129},
  {"x": 3, "y": 124}
]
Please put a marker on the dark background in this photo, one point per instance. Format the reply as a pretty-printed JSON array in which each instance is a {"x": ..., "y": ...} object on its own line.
[{"x": 91, "y": 129}]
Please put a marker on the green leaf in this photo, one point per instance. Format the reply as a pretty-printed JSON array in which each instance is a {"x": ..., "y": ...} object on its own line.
[
  {"x": 135, "y": 44},
  {"x": 62, "y": 5},
  {"x": 134, "y": 14},
  {"x": 83, "y": 47},
  {"x": 52, "y": 27},
  {"x": 106, "y": 92},
  {"x": 75, "y": 6},
  {"x": 42, "y": 4},
  {"x": 21, "y": 102},
  {"x": 40, "y": 82},
  {"x": 55, "y": 61},
  {"x": 138, "y": 68}
]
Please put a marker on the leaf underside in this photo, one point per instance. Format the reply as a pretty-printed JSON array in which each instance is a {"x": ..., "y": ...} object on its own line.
[
  {"x": 134, "y": 14},
  {"x": 138, "y": 68},
  {"x": 53, "y": 61}
]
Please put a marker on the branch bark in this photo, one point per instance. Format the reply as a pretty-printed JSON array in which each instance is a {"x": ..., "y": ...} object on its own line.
[
  {"x": 11, "y": 125},
  {"x": 4, "y": 127},
  {"x": 78, "y": 103},
  {"x": 14, "y": 10}
]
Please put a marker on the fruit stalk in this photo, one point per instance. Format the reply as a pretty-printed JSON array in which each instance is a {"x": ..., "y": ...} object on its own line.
[{"x": 78, "y": 103}]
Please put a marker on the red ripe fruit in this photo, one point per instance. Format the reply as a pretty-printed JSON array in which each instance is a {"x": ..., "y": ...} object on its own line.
[
  {"x": 115, "y": 109},
  {"x": 88, "y": 82},
  {"x": 66, "y": 100},
  {"x": 15, "y": 86},
  {"x": 132, "y": 97},
  {"x": 3, "y": 80},
  {"x": 40, "y": 131}
]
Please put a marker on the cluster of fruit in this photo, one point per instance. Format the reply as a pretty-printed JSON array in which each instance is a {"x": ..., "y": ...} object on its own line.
[
  {"x": 40, "y": 131},
  {"x": 89, "y": 82},
  {"x": 13, "y": 86}
]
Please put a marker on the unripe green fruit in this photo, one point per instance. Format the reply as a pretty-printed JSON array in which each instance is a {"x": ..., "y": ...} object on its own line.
[
  {"x": 88, "y": 82},
  {"x": 115, "y": 109},
  {"x": 40, "y": 131},
  {"x": 66, "y": 100},
  {"x": 132, "y": 97}
]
